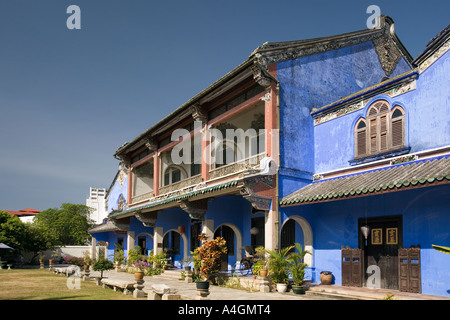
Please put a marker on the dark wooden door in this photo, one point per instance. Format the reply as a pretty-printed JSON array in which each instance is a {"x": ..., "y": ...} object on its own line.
[
  {"x": 381, "y": 249},
  {"x": 409, "y": 270},
  {"x": 352, "y": 267}
]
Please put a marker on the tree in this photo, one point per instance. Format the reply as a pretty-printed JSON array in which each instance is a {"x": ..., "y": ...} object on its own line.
[
  {"x": 12, "y": 231},
  {"x": 102, "y": 265},
  {"x": 68, "y": 224},
  {"x": 209, "y": 254},
  {"x": 39, "y": 238},
  {"x": 24, "y": 236}
]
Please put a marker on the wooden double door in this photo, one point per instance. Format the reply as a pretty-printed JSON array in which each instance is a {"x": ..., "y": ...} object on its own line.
[{"x": 380, "y": 250}]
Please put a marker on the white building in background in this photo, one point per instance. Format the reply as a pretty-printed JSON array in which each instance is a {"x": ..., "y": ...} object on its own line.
[{"x": 96, "y": 201}]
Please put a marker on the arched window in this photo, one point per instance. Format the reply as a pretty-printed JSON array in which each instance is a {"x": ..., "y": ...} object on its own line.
[
  {"x": 383, "y": 130},
  {"x": 173, "y": 174},
  {"x": 398, "y": 128},
  {"x": 360, "y": 136}
]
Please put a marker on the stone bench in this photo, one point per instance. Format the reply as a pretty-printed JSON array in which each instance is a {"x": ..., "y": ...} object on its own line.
[
  {"x": 163, "y": 292},
  {"x": 126, "y": 286},
  {"x": 67, "y": 271}
]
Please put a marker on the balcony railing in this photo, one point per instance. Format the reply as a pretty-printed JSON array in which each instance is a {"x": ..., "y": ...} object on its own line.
[
  {"x": 142, "y": 197},
  {"x": 181, "y": 184},
  {"x": 245, "y": 164}
]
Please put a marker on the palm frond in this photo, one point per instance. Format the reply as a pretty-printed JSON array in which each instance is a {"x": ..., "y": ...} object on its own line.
[{"x": 441, "y": 249}]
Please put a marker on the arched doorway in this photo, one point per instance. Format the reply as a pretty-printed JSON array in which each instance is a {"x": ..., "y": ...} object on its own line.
[
  {"x": 233, "y": 238},
  {"x": 145, "y": 242},
  {"x": 172, "y": 245},
  {"x": 287, "y": 235}
]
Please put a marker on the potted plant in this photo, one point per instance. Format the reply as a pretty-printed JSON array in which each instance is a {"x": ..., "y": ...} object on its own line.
[
  {"x": 87, "y": 260},
  {"x": 119, "y": 256},
  {"x": 279, "y": 267},
  {"x": 41, "y": 260},
  {"x": 102, "y": 265},
  {"x": 158, "y": 261},
  {"x": 140, "y": 268},
  {"x": 54, "y": 256},
  {"x": 260, "y": 265},
  {"x": 209, "y": 255},
  {"x": 186, "y": 263},
  {"x": 297, "y": 268}
]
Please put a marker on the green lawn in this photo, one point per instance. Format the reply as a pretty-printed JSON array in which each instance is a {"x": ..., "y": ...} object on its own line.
[{"x": 41, "y": 284}]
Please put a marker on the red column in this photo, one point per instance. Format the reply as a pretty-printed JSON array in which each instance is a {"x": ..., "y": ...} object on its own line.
[
  {"x": 206, "y": 156},
  {"x": 156, "y": 173}
]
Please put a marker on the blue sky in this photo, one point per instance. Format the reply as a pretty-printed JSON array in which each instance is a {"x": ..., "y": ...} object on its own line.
[{"x": 70, "y": 98}]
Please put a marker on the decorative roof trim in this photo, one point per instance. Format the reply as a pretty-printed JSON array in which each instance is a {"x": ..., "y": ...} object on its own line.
[
  {"x": 394, "y": 87},
  {"x": 174, "y": 199},
  {"x": 347, "y": 188}
]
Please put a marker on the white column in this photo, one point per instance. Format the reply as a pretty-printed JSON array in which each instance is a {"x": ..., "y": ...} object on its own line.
[
  {"x": 158, "y": 240},
  {"x": 208, "y": 228},
  {"x": 130, "y": 240},
  {"x": 270, "y": 230},
  {"x": 93, "y": 249}
]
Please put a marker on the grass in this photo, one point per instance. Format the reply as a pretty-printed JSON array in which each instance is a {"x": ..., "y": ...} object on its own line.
[{"x": 41, "y": 284}]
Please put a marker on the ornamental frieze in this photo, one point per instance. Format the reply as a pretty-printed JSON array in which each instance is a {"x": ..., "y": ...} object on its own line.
[
  {"x": 439, "y": 53},
  {"x": 347, "y": 109}
]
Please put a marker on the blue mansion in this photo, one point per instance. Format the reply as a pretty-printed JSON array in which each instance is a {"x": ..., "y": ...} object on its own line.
[{"x": 352, "y": 160}]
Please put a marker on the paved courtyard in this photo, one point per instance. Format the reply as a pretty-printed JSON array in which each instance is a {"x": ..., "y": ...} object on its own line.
[{"x": 315, "y": 292}]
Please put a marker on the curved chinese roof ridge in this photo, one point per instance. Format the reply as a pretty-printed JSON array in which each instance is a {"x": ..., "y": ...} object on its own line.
[{"x": 389, "y": 179}]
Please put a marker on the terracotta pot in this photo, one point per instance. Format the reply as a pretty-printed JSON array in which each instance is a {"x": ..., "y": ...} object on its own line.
[
  {"x": 139, "y": 275},
  {"x": 326, "y": 277},
  {"x": 263, "y": 273}
]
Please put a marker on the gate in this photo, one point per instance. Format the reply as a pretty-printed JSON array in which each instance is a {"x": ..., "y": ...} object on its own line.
[
  {"x": 352, "y": 267},
  {"x": 409, "y": 270}
]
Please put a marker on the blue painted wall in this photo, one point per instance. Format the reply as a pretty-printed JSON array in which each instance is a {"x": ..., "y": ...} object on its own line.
[
  {"x": 312, "y": 82},
  {"x": 170, "y": 219},
  {"x": 115, "y": 192},
  {"x": 427, "y": 122},
  {"x": 425, "y": 222},
  {"x": 232, "y": 210}
]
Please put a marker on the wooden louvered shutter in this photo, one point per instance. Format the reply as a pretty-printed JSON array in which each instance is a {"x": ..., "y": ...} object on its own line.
[
  {"x": 373, "y": 135},
  {"x": 398, "y": 129},
  {"x": 383, "y": 133},
  {"x": 361, "y": 139}
]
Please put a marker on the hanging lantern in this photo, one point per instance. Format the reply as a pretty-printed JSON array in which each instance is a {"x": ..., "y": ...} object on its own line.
[
  {"x": 365, "y": 231},
  {"x": 254, "y": 231},
  {"x": 181, "y": 229}
]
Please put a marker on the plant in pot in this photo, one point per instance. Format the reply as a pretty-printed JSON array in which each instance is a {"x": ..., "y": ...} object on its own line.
[
  {"x": 54, "y": 257},
  {"x": 278, "y": 267},
  {"x": 297, "y": 268},
  {"x": 158, "y": 261},
  {"x": 119, "y": 256},
  {"x": 260, "y": 265},
  {"x": 140, "y": 267},
  {"x": 186, "y": 263},
  {"x": 102, "y": 265},
  {"x": 41, "y": 260},
  {"x": 209, "y": 255},
  {"x": 87, "y": 260}
]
